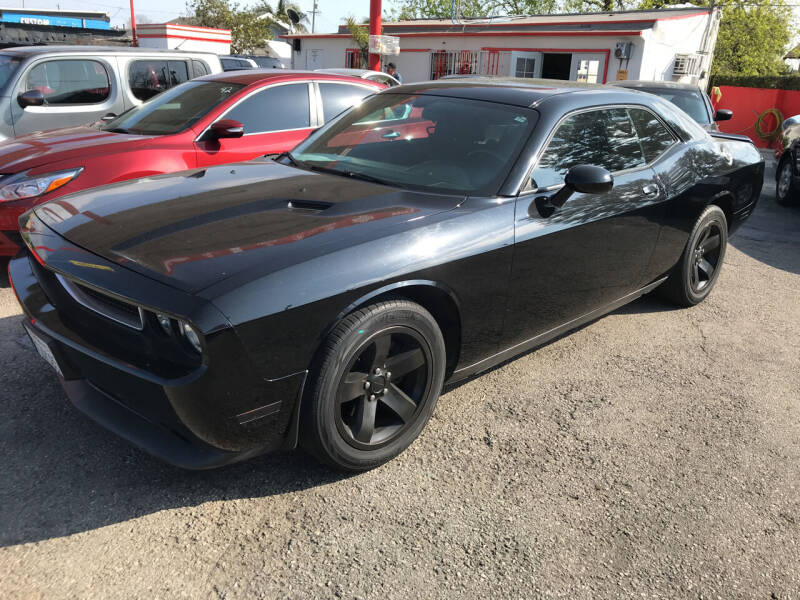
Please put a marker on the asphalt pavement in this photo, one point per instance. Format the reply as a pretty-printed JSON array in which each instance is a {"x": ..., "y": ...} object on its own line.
[{"x": 651, "y": 454}]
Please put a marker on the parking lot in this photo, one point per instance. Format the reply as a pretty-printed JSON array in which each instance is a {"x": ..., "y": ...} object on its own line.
[{"x": 654, "y": 453}]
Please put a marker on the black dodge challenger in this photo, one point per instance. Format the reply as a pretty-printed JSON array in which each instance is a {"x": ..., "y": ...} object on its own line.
[{"x": 324, "y": 298}]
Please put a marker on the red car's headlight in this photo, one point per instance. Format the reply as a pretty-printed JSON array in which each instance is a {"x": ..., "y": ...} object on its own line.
[{"x": 20, "y": 187}]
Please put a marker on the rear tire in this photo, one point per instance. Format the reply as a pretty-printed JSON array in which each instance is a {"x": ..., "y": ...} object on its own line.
[
  {"x": 692, "y": 279},
  {"x": 786, "y": 193},
  {"x": 374, "y": 387}
]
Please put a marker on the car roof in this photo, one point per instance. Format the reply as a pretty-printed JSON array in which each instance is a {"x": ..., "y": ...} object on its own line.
[
  {"x": 37, "y": 50},
  {"x": 664, "y": 85},
  {"x": 515, "y": 91},
  {"x": 251, "y": 76}
]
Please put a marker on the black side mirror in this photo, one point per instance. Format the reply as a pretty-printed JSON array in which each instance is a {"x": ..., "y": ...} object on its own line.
[
  {"x": 584, "y": 179},
  {"x": 31, "y": 98},
  {"x": 225, "y": 128},
  {"x": 723, "y": 114}
]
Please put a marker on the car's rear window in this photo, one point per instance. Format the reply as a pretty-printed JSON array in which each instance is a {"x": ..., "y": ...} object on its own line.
[{"x": 689, "y": 101}]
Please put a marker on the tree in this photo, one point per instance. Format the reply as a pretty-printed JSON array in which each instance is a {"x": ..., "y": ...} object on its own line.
[
  {"x": 753, "y": 39},
  {"x": 280, "y": 13},
  {"x": 445, "y": 9},
  {"x": 249, "y": 30},
  {"x": 360, "y": 35}
]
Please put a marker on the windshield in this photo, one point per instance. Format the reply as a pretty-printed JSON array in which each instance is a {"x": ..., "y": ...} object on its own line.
[
  {"x": 174, "y": 110},
  {"x": 690, "y": 101},
  {"x": 8, "y": 65},
  {"x": 433, "y": 143}
]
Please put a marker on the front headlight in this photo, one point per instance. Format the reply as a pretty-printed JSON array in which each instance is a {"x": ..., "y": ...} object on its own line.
[
  {"x": 18, "y": 187},
  {"x": 190, "y": 335}
]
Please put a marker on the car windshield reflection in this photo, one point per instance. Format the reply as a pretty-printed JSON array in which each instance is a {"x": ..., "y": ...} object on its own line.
[{"x": 430, "y": 143}]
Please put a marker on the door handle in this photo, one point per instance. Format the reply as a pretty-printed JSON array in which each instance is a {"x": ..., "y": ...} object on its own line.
[
  {"x": 651, "y": 189},
  {"x": 390, "y": 135}
]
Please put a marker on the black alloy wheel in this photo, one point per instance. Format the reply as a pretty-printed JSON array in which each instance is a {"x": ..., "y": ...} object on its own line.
[
  {"x": 382, "y": 389},
  {"x": 692, "y": 279},
  {"x": 705, "y": 257},
  {"x": 374, "y": 385}
]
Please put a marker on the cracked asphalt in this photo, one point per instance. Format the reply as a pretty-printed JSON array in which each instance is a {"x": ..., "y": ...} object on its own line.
[{"x": 653, "y": 454}]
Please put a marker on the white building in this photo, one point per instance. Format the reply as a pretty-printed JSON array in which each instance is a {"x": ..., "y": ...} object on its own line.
[
  {"x": 670, "y": 44},
  {"x": 192, "y": 38}
]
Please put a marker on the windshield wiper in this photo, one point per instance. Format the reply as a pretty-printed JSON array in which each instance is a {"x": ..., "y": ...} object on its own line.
[
  {"x": 117, "y": 130},
  {"x": 353, "y": 175}
]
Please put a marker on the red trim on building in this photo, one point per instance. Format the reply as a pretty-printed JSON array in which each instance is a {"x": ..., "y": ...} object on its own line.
[
  {"x": 633, "y": 33},
  {"x": 183, "y": 37},
  {"x": 391, "y": 26},
  {"x": 183, "y": 27}
]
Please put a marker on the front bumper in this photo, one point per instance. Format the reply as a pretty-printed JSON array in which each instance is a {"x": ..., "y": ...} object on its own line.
[{"x": 218, "y": 413}]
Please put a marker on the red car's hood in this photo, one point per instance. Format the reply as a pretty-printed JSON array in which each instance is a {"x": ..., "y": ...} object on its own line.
[{"x": 53, "y": 146}]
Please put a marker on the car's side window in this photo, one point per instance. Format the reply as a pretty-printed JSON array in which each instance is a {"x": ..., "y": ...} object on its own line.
[
  {"x": 605, "y": 138},
  {"x": 200, "y": 68},
  {"x": 150, "y": 77},
  {"x": 70, "y": 81},
  {"x": 276, "y": 108},
  {"x": 337, "y": 97},
  {"x": 654, "y": 137}
]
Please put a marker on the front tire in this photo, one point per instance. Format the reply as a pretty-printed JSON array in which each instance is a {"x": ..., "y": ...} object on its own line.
[
  {"x": 786, "y": 192},
  {"x": 692, "y": 279},
  {"x": 374, "y": 387}
]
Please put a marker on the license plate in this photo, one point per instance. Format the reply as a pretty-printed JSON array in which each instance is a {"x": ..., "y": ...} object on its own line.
[{"x": 44, "y": 351}]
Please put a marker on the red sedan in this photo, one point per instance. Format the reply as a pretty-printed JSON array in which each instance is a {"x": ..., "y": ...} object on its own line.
[{"x": 210, "y": 120}]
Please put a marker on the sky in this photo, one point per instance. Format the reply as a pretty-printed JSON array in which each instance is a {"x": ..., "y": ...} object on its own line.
[{"x": 158, "y": 11}]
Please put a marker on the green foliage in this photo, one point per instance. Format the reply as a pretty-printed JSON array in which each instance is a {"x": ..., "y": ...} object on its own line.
[
  {"x": 753, "y": 39},
  {"x": 776, "y": 82},
  {"x": 280, "y": 13},
  {"x": 588, "y": 6},
  {"x": 443, "y": 9},
  {"x": 249, "y": 30}
]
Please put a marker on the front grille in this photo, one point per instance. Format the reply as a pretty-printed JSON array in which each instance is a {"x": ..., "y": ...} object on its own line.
[{"x": 107, "y": 306}]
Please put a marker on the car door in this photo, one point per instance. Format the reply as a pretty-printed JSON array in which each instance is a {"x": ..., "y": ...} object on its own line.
[
  {"x": 595, "y": 248},
  {"x": 275, "y": 118},
  {"x": 75, "y": 91}
]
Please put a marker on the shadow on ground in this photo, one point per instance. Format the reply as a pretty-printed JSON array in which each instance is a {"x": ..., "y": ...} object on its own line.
[{"x": 772, "y": 233}]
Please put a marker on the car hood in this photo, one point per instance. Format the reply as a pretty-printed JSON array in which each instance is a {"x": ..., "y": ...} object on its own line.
[
  {"x": 196, "y": 228},
  {"x": 37, "y": 149}
]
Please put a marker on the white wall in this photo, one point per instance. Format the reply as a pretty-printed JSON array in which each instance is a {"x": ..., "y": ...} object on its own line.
[{"x": 665, "y": 40}]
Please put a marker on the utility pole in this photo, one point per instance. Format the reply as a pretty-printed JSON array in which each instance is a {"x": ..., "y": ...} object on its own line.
[{"x": 314, "y": 12}]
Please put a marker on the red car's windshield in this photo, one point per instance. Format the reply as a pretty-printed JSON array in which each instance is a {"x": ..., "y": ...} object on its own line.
[{"x": 174, "y": 110}]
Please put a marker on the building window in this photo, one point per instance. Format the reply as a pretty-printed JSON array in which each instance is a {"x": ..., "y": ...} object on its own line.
[
  {"x": 353, "y": 59},
  {"x": 458, "y": 62},
  {"x": 525, "y": 67},
  {"x": 588, "y": 71}
]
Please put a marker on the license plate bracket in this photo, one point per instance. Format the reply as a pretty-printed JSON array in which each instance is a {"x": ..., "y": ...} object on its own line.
[{"x": 43, "y": 348}]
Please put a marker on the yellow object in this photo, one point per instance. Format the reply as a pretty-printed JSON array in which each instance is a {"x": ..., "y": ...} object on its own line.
[{"x": 622, "y": 75}]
